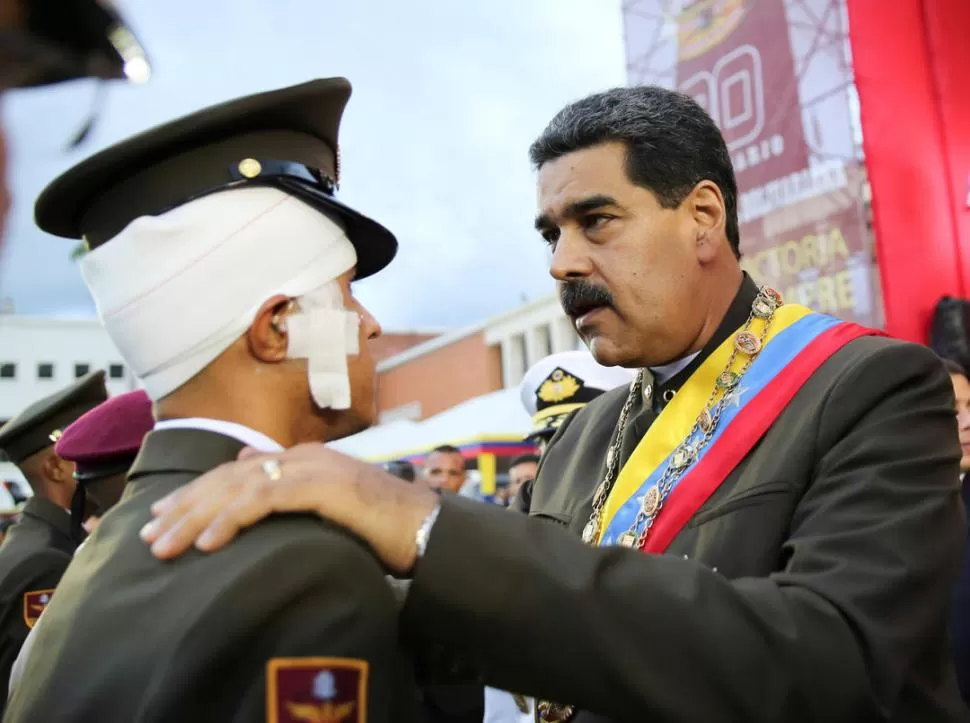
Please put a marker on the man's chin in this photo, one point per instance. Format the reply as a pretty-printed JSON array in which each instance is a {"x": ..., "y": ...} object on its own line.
[{"x": 607, "y": 353}]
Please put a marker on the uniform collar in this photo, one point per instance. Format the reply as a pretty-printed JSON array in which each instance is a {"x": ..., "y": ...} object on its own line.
[
  {"x": 737, "y": 314},
  {"x": 248, "y": 436},
  {"x": 183, "y": 451},
  {"x": 46, "y": 511}
]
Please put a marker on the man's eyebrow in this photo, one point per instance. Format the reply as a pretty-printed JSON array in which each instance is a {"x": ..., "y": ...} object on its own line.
[{"x": 576, "y": 209}]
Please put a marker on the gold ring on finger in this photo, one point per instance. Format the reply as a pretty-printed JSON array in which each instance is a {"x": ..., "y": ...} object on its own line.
[{"x": 272, "y": 469}]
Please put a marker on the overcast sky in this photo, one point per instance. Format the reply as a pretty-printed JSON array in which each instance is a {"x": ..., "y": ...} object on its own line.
[{"x": 447, "y": 97}]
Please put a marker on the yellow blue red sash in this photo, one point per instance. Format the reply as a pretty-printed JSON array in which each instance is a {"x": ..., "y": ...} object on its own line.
[{"x": 798, "y": 342}]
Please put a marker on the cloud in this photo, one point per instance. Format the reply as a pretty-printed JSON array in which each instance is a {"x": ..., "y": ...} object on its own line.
[{"x": 447, "y": 98}]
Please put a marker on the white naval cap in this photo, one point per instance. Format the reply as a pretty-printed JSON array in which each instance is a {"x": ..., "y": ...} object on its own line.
[{"x": 560, "y": 383}]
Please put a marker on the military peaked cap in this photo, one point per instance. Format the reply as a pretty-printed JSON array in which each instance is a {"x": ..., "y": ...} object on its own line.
[
  {"x": 286, "y": 139},
  {"x": 51, "y": 41},
  {"x": 42, "y": 423}
]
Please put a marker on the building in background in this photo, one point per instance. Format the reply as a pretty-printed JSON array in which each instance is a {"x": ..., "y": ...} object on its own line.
[
  {"x": 40, "y": 355},
  {"x": 461, "y": 388},
  {"x": 434, "y": 376}
]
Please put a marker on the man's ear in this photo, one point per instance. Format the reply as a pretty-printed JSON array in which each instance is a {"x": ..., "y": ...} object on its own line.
[
  {"x": 57, "y": 469},
  {"x": 706, "y": 205},
  {"x": 266, "y": 336}
]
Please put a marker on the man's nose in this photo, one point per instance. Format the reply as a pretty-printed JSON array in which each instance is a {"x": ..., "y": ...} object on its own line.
[{"x": 570, "y": 257}]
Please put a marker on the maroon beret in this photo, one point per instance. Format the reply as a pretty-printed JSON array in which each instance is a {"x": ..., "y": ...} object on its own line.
[{"x": 106, "y": 440}]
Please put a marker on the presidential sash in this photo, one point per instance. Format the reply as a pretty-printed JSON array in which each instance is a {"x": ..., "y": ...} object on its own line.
[{"x": 797, "y": 343}]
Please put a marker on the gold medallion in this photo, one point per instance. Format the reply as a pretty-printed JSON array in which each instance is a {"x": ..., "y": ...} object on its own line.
[
  {"x": 589, "y": 532},
  {"x": 627, "y": 539},
  {"x": 554, "y": 712},
  {"x": 726, "y": 380},
  {"x": 773, "y": 295},
  {"x": 747, "y": 343},
  {"x": 762, "y": 307},
  {"x": 705, "y": 421},
  {"x": 651, "y": 501},
  {"x": 683, "y": 457}
]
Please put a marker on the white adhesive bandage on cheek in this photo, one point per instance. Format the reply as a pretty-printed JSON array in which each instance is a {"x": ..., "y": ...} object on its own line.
[{"x": 325, "y": 333}]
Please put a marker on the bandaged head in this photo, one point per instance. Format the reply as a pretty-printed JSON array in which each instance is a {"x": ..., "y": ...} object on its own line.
[
  {"x": 174, "y": 291},
  {"x": 194, "y": 225}
]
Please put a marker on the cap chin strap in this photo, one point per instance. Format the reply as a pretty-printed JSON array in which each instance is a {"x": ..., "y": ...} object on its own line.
[{"x": 325, "y": 333}]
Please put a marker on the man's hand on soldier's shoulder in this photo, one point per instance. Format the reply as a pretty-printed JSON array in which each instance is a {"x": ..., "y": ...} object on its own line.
[{"x": 210, "y": 511}]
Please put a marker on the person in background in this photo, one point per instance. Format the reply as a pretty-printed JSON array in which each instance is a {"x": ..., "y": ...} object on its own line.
[
  {"x": 444, "y": 469},
  {"x": 961, "y": 593},
  {"x": 559, "y": 384},
  {"x": 103, "y": 444},
  {"x": 43, "y": 42},
  {"x": 522, "y": 470},
  {"x": 555, "y": 387},
  {"x": 39, "y": 547}
]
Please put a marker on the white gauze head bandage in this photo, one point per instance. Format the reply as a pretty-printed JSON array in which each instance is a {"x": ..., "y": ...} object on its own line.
[{"x": 175, "y": 290}]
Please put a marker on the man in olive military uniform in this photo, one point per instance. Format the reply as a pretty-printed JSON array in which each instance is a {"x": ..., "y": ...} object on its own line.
[
  {"x": 221, "y": 266},
  {"x": 38, "y": 549},
  {"x": 765, "y": 526},
  {"x": 102, "y": 445}
]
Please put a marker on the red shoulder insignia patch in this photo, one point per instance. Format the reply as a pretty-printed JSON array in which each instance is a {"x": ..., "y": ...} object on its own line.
[
  {"x": 316, "y": 690},
  {"x": 35, "y": 602}
]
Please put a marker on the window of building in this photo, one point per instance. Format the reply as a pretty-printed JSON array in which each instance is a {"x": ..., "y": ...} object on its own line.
[
  {"x": 45, "y": 370},
  {"x": 81, "y": 369},
  {"x": 8, "y": 370},
  {"x": 116, "y": 371}
]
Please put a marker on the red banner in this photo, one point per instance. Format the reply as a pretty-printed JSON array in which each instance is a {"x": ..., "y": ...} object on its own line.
[{"x": 735, "y": 59}]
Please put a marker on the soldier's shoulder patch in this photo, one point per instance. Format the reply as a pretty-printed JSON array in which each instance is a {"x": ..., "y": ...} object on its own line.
[
  {"x": 35, "y": 602},
  {"x": 316, "y": 690}
]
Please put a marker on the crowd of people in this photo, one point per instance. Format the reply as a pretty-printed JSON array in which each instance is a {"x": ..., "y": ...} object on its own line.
[{"x": 762, "y": 520}]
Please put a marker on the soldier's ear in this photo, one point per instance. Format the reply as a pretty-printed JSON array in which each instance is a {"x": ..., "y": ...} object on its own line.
[
  {"x": 57, "y": 469},
  {"x": 267, "y": 337}
]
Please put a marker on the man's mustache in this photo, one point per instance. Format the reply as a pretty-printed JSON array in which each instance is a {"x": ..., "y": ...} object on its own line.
[{"x": 578, "y": 297}]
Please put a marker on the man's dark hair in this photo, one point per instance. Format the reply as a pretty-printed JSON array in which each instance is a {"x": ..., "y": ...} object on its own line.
[
  {"x": 672, "y": 143},
  {"x": 954, "y": 367},
  {"x": 445, "y": 449},
  {"x": 524, "y": 459}
]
